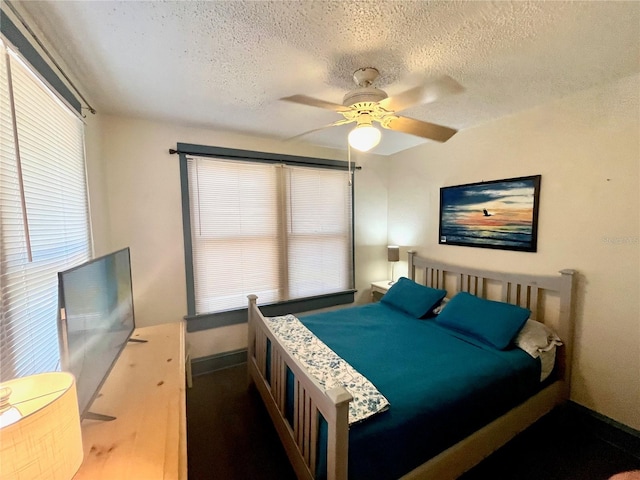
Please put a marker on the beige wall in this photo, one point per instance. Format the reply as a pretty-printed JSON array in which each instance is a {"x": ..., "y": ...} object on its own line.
[
  {"x": 143, "y": 211},
  {"x": 587, "y": 149}
]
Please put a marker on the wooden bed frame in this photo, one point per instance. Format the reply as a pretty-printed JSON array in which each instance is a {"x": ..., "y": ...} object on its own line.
[{"x": 548, "y": 297}]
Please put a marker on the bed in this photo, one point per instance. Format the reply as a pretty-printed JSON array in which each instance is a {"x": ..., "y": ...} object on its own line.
[{"x": 452, "y": 398}]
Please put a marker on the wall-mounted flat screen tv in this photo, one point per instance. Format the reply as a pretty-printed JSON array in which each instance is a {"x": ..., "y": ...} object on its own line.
[{"x": 96, "y": 320}]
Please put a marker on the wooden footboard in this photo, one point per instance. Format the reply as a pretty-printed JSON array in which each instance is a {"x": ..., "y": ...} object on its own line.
[{"x": 267, "y": 364}]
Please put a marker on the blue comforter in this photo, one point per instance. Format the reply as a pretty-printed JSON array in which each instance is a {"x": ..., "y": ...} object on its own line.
[{"x": 441, "y": 385}]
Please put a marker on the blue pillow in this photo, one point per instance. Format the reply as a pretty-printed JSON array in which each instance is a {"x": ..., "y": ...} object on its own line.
[
  {"x": 412, "y": 298},
  {"x": 494, "y": 323}
]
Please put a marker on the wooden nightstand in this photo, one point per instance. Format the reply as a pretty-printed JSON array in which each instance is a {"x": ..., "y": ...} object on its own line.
[{"x": 378, "y": 289}]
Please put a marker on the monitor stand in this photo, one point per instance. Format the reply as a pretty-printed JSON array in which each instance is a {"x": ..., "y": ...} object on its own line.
[{"x": 97, "y": 416}]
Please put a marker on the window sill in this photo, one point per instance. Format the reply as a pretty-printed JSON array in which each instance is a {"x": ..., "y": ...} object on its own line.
[{"x": 207, "y": 321}]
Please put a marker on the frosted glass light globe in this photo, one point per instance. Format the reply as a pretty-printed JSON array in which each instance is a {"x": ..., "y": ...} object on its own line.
[{"x": 364, "y": 137}]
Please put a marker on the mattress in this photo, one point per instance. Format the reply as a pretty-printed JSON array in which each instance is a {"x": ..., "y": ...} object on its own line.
[{"x": 441, "y": 386}]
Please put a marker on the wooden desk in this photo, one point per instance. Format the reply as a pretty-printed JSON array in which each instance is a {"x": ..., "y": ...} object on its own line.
[{"x": 145, "y": 391}]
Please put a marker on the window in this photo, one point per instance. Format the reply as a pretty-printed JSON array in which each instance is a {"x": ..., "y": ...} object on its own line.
[
  {"x": 277, "y": 230},
  {"x": 44, "y": 223}
]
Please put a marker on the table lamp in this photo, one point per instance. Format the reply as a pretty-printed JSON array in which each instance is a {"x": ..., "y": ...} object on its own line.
[
  {"x": 40, "y": 433},
  {"x": 393, "y": 256}
]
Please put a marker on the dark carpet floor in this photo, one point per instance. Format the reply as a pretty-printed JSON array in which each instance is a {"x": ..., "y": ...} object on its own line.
[{"x": 230, "y": 437}]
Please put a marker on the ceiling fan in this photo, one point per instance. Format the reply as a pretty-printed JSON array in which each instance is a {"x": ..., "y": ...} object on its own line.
[{"x": 367, "y": 104}]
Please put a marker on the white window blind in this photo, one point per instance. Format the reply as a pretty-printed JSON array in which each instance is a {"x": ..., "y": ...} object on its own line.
[
  {"x": 278, "y": 231},
  {"x": 50, "y": 140},
  {"x": 318, "y": 231}
]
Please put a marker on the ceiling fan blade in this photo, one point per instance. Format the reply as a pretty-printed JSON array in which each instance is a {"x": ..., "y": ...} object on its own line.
[
  {"x": 439, "y": 133},
  {"x": 334, "y": 124},
  {"x": 422, "y": 94},
  {"x": 314, "y": 102}
]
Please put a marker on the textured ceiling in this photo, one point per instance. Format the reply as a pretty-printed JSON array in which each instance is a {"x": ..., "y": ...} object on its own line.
[{"x": 225, "y": 64}]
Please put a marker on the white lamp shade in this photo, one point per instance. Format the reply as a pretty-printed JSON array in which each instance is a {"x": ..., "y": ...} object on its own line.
[
  {"x": 47, "y": 441},
  {"x": 364, "y": 137}
]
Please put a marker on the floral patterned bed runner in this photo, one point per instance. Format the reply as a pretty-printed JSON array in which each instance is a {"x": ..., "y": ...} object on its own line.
[{"x": 327, "y": 367}]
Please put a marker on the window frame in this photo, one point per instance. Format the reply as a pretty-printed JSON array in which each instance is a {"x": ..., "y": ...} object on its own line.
[
  {"x": 28, "y": 52},
  {"x": 197, "y": 322}
]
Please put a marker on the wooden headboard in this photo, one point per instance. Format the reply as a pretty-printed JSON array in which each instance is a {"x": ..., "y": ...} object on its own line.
[{"x": 549, "y": 297}]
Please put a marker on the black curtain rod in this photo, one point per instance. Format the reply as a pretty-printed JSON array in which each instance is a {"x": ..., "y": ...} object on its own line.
[
  {"x": 53, "y": 60},
  {"x": 173, "y": 151}
]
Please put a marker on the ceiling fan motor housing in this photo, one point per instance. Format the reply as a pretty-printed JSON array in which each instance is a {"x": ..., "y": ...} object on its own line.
[{"x": 363, "y": 95}]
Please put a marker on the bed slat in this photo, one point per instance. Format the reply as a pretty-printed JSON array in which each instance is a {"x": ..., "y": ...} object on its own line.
[
  {"x": 533, "y": 302},
  {"x": 434, "y": 278},
  {"x": 522, "y": 295},
  {"x": 260, "y": 352},
  {"x": 463, "y": 283},
  {"x": 278, "y": 371},
  {"x": 282, "y": 385},
  {"x": 314, "y": 438},
  {"x": 307, "y": 429},
  {"x": 505, "y": 291},
  {"x": 297, "y": 414},
  {"x": 470, "y": 283}
]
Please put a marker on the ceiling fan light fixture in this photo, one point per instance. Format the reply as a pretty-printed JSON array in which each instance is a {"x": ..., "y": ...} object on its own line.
[
  {"x": 364, "y": 137},
  {"x": 367, "y": 103}
]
